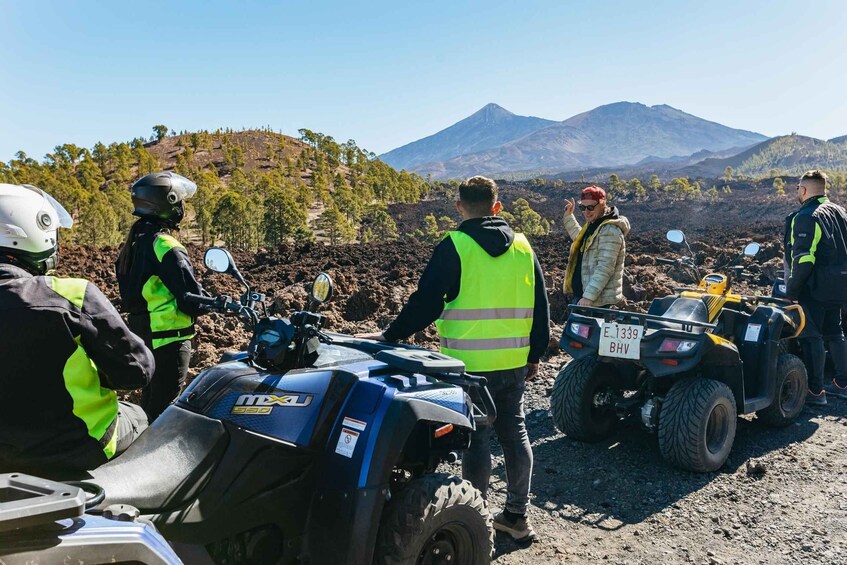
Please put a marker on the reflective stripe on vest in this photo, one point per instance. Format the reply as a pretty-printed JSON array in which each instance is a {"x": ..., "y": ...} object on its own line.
[
  {"x": 487, "y": 326},
  {"x": 167, "y": 322},
  {"x": 96, "y": 406}
]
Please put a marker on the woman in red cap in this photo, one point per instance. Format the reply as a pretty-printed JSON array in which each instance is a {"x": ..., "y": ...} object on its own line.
[{"x": 594, "y": 273}]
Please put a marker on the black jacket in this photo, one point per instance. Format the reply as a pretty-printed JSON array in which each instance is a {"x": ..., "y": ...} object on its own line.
[
  {"x": 440, "y": 283},
  {"x": 40, "y": 330},
  {"x": 816, "y": 251},
  {"x": 174, "y": 270}
]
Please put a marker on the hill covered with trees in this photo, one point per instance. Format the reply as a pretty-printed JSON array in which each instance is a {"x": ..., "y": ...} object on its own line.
[
  {"x": 785, "y": 155},
  {"x": 254, "y": 187}
]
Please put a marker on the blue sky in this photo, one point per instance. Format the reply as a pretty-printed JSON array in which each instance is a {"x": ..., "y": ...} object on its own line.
[{"x": 387, "y": 73}]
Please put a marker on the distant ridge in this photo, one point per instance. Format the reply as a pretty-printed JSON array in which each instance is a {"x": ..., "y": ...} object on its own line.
[{"x": 787, "y": 155}]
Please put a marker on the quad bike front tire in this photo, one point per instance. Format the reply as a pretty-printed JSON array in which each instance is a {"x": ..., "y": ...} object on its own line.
[
  {"x": 791, "y": 387},
  {"x": 437, "y": 519},
  {"x": 697, "y": 424},
  {"x": 575, "y": 402}
]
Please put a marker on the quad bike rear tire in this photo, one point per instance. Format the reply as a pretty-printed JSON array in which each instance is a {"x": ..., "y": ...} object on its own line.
[
  {"x": 791, "y": 387},
  {"x": 437, "y": 519},
  {"x": 697, "y": 424},
  {"x": 574, "y": 402}
]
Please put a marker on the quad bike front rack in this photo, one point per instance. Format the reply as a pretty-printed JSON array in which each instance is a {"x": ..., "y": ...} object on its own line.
[{"x": 624, "y": 316}]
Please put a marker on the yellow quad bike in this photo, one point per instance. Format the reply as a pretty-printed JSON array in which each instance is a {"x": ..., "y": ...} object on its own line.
[{"x": 686, "y": 368}]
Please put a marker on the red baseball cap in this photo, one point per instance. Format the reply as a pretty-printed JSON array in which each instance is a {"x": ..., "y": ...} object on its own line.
[{"x": 594, "y": 193}]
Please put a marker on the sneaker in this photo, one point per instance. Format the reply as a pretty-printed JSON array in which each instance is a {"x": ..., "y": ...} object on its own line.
[
  {"x": 818, "y": 399},
  {"x": 836, "y": 389},
  {"x": 519, "y": 528}
]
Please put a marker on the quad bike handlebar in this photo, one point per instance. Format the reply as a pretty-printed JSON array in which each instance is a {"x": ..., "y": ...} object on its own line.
[{"x": 224, "y": 303}]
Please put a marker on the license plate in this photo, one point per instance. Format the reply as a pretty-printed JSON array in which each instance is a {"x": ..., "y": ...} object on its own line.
[{"x": 620, "y": 340}]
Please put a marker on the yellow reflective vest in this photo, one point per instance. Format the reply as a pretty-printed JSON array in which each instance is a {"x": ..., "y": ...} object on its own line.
[{"x": 487, "y": 325}]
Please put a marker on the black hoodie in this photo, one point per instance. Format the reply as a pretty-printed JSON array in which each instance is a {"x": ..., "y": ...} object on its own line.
[{"x": 440, "y": 284}]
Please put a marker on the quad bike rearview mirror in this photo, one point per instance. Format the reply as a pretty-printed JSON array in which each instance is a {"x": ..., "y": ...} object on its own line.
[
  {"x": 676, "y": 236},
  {"x": 218, "y": 260},
  {"x": 322, "y": 288},
  {"x": 752, "y": 249}
]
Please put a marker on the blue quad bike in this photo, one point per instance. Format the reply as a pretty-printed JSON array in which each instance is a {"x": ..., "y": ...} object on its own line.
[
  {"x": 310, "y": 447},
  {"x": 686, "y": 368}
]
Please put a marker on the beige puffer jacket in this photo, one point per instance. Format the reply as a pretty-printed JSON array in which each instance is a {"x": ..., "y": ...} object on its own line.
[{"x": 603, "y": 259}]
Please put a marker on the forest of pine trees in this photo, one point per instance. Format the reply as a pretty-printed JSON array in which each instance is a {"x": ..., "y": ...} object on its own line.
[{"x": 255, "y": 188}]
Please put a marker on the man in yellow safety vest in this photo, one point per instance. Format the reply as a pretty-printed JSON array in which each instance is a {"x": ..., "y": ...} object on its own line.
[{"x": 484, "y": 289}]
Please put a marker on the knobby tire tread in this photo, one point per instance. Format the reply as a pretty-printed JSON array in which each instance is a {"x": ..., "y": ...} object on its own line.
[
  {"x": 421, "y": 500},
  {"x": 772, "y": 415},
  {"x": 566, "y": 402}
]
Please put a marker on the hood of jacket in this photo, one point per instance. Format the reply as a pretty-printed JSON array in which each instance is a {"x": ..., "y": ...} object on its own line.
[
  {"x": 492, "y": 233},
  {"x": 613, "y": 218}
]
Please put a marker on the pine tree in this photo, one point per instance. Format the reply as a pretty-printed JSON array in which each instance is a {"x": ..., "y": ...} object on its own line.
[
  {"x": 431, "y": 231},
  {"x": 616, "y": 186},
  {"x": 98, "y": 222},
  {"x": 121, "y": 203},
  {"x": 377, "y": 225},
  {"x": 283, "y": 216},
  {"x": 160, "y": 131},
  {"x": 335, "y": 226},
  {"x": 228, "y": 220},
  {"x": 527, "y": 220},
  {"x": 655, "y": 183}
]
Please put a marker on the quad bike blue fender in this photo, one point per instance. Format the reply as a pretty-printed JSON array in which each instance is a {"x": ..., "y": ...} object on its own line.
[{"x": 376, "y": 432}]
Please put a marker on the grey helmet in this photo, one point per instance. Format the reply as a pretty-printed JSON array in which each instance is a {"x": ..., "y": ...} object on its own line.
[{"x": 160, "y": 197}]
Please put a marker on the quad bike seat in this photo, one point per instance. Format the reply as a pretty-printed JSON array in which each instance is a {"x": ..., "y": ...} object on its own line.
[
  {"x": 687, "y": 309},
  {"x": 167, "y": 465}
]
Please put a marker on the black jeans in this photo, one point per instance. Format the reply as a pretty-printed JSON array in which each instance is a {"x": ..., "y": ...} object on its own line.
[
  {"x": 172, "y": 362},
  {"x": 823, "y": 324},
  {"x": 507, "y": 388}
]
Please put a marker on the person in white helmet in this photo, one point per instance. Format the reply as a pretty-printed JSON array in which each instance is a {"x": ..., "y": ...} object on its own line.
[{"x": 65, "y": 350}]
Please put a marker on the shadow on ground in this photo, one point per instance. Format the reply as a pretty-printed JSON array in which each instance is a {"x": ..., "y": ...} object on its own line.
[{"x": 624, "y": 480}]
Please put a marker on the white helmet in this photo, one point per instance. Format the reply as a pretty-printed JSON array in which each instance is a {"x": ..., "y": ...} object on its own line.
[{"x": 29, "y": 223}]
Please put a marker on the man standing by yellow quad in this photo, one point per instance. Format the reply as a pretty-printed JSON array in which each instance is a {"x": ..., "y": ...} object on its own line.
[{"x": 816, "y": 276}]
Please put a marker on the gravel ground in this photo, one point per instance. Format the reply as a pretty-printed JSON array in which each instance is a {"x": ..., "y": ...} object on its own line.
[{"x": 781, "y": 497}]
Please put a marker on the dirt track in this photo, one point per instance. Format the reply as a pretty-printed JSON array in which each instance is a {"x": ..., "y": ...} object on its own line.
[{"x": 781, "y": 498}]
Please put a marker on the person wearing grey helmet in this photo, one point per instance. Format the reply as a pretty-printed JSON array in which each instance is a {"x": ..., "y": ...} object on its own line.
[{"x": 154, "y": 275}]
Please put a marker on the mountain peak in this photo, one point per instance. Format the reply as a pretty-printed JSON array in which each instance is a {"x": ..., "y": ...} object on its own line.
[
  {"x": 490, "y": 126},
  {"x": 492, "y": 110}
]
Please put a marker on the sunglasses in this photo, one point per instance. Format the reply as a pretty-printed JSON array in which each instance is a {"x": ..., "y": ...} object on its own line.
[{"x": 590, "y": 207}]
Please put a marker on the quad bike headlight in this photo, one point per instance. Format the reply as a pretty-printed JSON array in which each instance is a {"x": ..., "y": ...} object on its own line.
[
  {"x": 582, "y": 330},
  {"x": 670, "y": 345}
]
